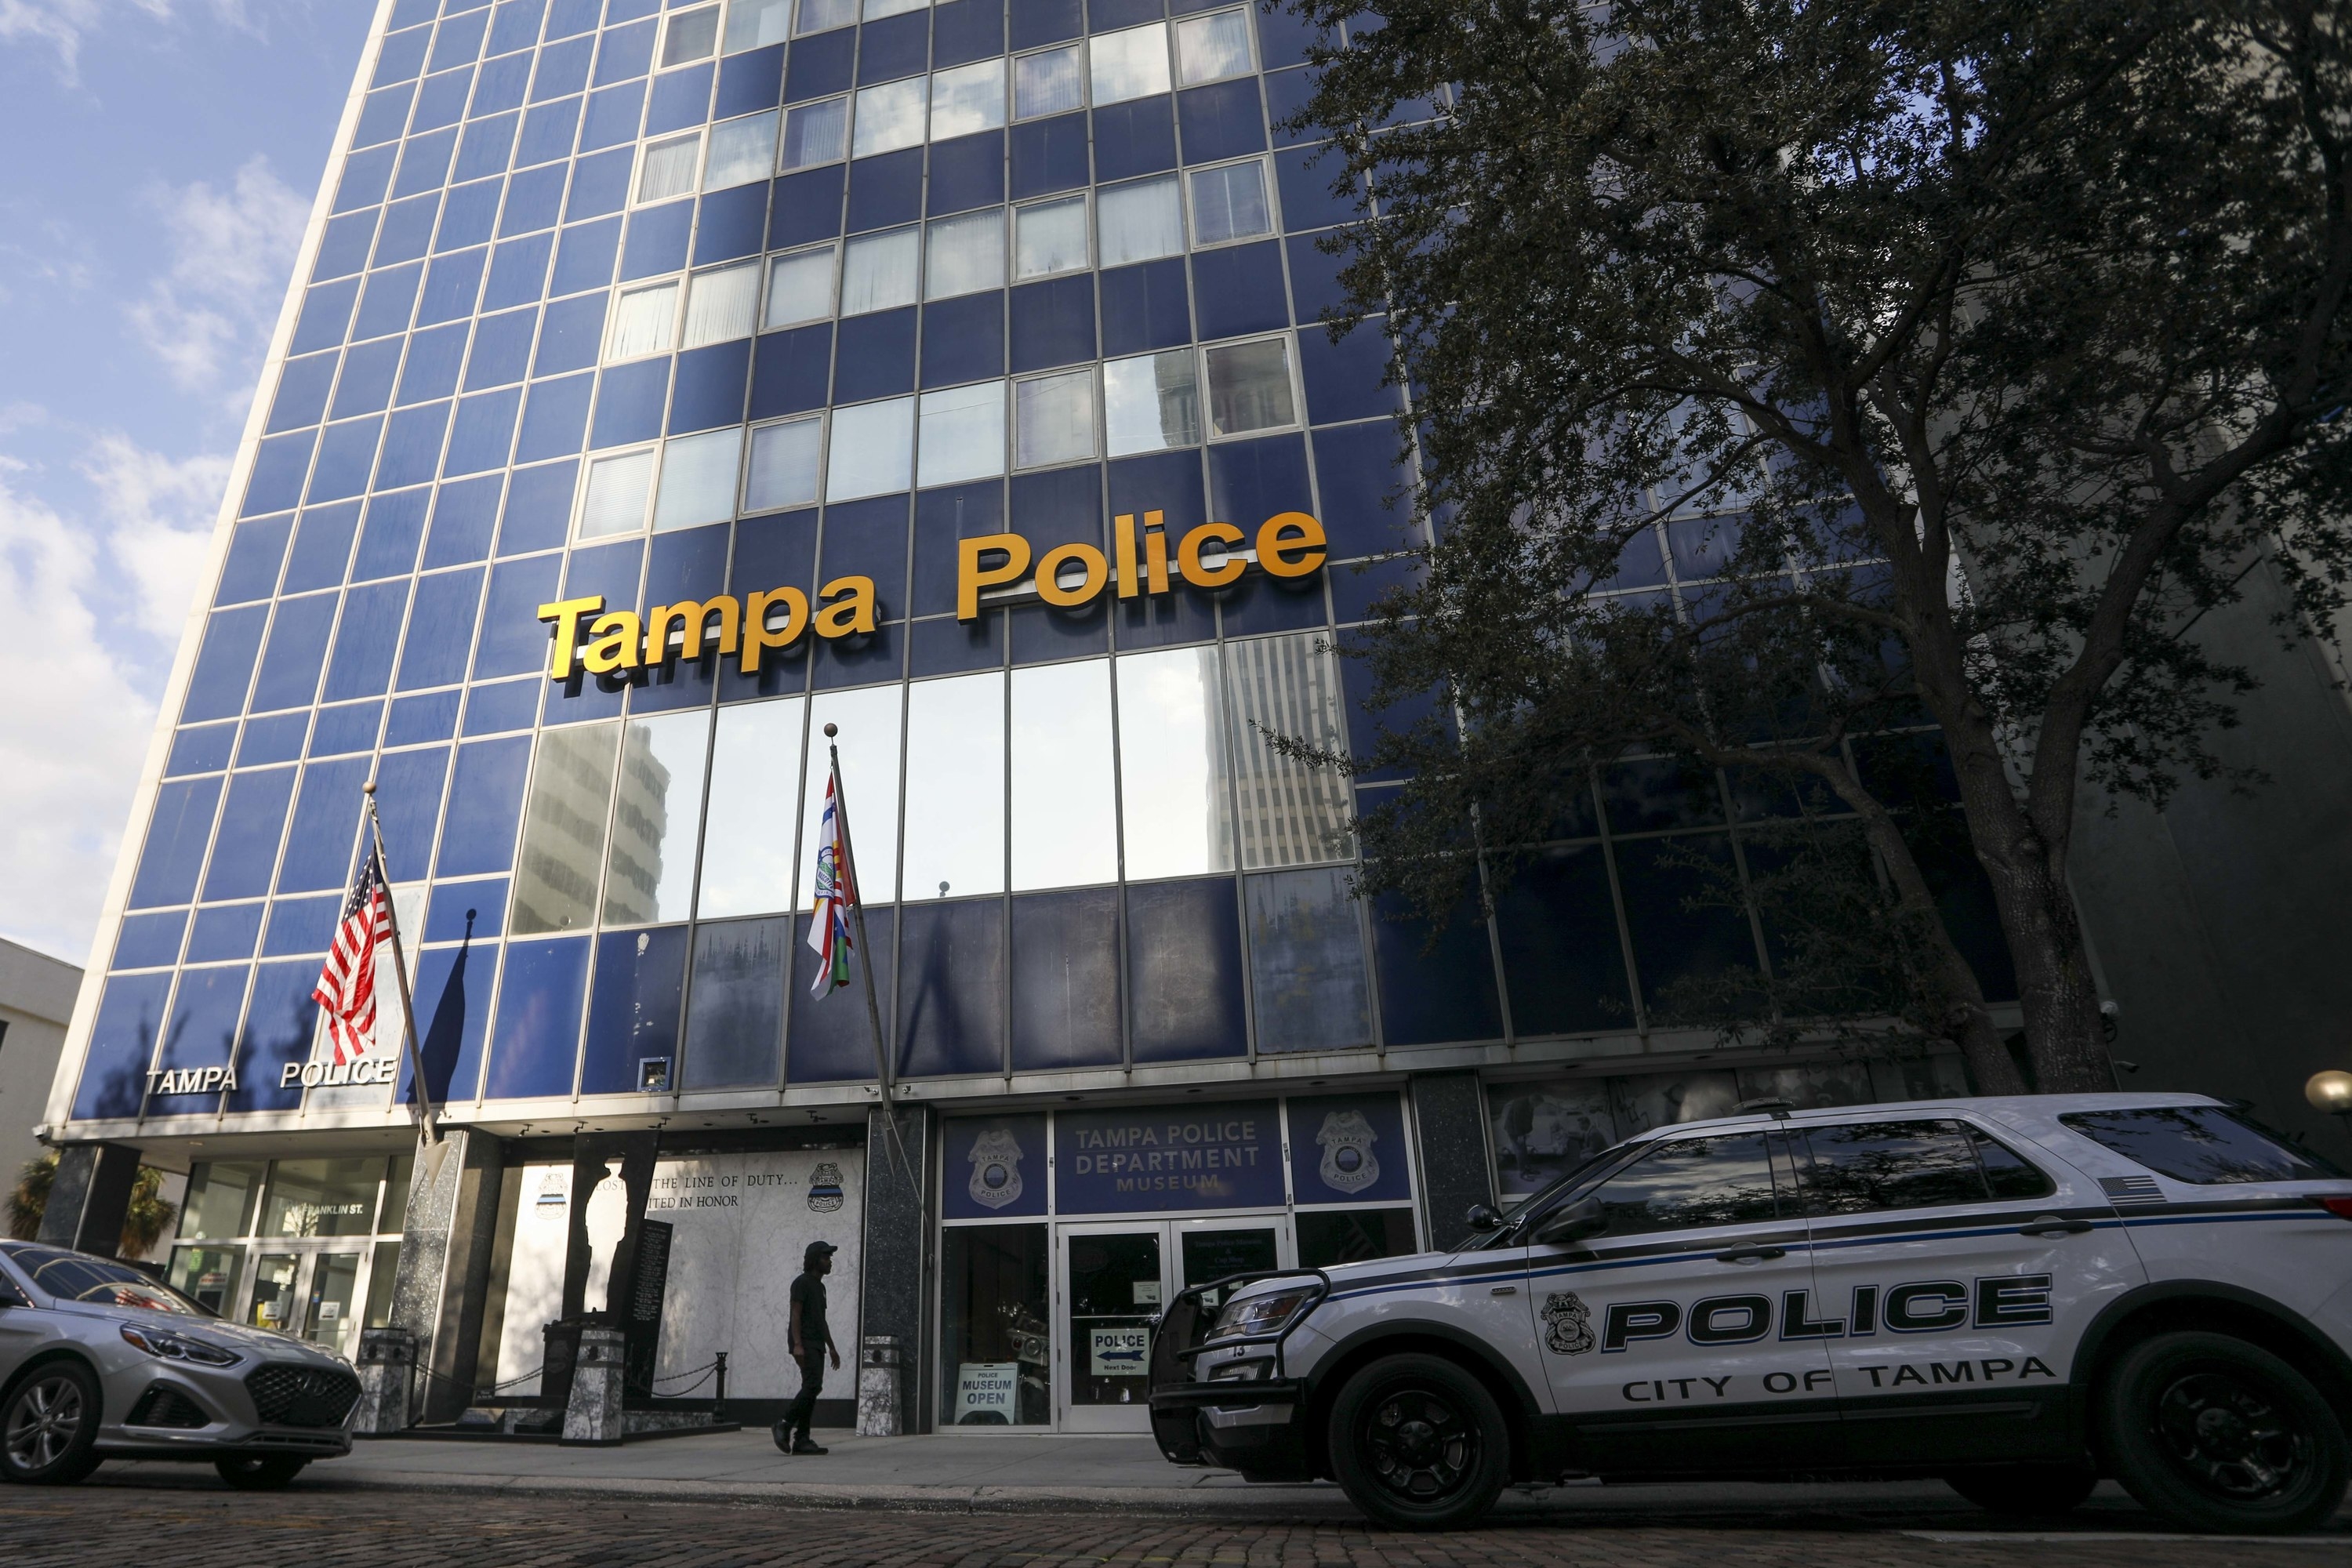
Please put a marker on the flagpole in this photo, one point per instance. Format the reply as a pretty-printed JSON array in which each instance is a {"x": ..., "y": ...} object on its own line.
[
  {"x": 430, "y": 1133},
  {"x": 866, "y": 962}
]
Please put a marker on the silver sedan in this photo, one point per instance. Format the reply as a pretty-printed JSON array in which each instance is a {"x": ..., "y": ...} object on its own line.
[{"x": 99, "y": 1360}]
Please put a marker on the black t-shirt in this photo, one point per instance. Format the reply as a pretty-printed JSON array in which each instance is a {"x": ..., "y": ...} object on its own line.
[{"x": 808, "y": 1294}]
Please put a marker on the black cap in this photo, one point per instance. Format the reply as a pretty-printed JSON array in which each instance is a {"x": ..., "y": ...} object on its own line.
[{"x": 817, "y": 1249}]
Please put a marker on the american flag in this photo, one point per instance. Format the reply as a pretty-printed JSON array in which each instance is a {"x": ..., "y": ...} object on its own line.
[{"x": 346, "y": 987}]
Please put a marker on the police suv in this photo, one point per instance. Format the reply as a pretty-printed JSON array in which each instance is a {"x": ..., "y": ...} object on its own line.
[{"x": 2019, "y": 1295}]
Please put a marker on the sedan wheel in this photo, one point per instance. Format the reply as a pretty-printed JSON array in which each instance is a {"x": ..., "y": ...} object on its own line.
[{"x": 48, "y": 1429}]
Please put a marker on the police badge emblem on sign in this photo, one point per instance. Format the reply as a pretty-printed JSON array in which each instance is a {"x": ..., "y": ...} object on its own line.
[
  {"x": 995, "y": 1168},
  {"x": 824, "y": 1195},
  {"x": 1349, "y": 1166},
  {"x": 1567, "y": 1323}
]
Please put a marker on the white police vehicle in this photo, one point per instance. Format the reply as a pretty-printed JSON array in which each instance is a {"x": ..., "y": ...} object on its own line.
[{"x": 2020, "y": 1295}]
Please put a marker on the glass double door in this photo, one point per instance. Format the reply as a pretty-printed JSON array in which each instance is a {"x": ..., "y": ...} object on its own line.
[
  {"x": 310, "y": 1292},
  {"x": 1113, "y": 1279}
]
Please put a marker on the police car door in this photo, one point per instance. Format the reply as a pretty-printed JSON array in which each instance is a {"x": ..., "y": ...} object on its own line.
[
  {"x": 1661, "y": 1332},
  {"x": 1955, "y": 1277}
]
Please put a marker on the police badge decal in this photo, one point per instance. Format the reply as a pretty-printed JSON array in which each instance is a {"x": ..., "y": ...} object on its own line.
[
  {"x": 995, "y": 1169},
  {"x": 825, "y": 1193},
  {"x": 1567, "y": 1323},
  {"x": 1347, "y": 1139}
]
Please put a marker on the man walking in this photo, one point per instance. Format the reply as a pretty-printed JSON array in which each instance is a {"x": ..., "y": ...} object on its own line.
[{"x": 812, "y": 1342}]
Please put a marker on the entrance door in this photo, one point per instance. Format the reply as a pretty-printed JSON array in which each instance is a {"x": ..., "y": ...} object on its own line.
[
  {"x": 311, "y": 1293},
  {"x": 1115, "y": 1280}
]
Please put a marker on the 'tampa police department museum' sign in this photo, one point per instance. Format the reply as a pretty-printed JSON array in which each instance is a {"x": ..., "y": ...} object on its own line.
[{"x": 1163, "y": 1158}]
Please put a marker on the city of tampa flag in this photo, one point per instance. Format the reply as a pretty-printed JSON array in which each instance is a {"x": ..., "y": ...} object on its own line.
[
  {"x": 835, "y": 897},
  {"x": 346, "y": 987}
]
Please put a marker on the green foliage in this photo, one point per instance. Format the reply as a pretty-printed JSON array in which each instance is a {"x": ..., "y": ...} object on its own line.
[
  {"x": 145, "y": 1222},
  {"x": 30, "y": 1197},
  {"x": 2011, "y": 334}
]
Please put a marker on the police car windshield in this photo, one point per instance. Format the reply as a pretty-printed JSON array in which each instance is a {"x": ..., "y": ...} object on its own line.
[{"x": 1542, "y": 1196}]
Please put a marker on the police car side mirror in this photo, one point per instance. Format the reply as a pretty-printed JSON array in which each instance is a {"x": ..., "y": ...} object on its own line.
[
  {"x": 1574, "y": 1223},
  {"x": 1483, "y": 1219}
]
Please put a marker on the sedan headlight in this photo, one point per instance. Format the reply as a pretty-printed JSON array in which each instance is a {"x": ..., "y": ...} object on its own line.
[
  {"x": 166, "y": 1345},
  {"x": 1262, "y": 1314}
]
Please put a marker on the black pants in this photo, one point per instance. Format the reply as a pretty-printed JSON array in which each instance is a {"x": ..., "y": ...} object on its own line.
[{"x": 803, "y": 1409}]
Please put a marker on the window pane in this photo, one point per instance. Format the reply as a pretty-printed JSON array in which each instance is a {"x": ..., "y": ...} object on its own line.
[
  {"x": 814, "y": 132},
  {"x": 645, "y": 322},
  {"x": 616, "y": 499},
  {"x": 1230, "y": 203},
  {"x": 1249, "y": 387},
  {"x": 1171, "y": 765},
  {"x": 2203, "y": 1144},
  {"x": 722, "y": 306},
  {"x": 880, "y": 272},
  {"x": 1150, "y": 403},
  {"x": 1055, "y": 418},
  {"x": 1047, "y": 82},
  {"x": 1210, "y": 49},
  {"x": 754, "y": 24},
  {"x": 784, "y": 466},
  {"x": 872, "y": 453},
  {"x": 669, "y": 168},
  {"x": 966, "y": 255},
  {"x": 649, "y": 869},
  {"x": 697, "y": 481},
  {"x": 741, "y": 150},
  {"x": 1131, "y": 64},
  {"x": 1686, "y": 1184},
  {"x": 799, "y": 287},
  {"x": 747, "y": 839},
  {"x": 816, "y": 15},
  {"x": 968, "y": 99},
  {"x": 869, "y": 720},
  {"x": 1065, "y": 830},
  {"x": 1889, "y": 1165},
  {"x": 692, "y": 35},
  {"x": 962, "y": 434},
  {"x": 563, "y": 829},
  {"x": 878, "y": 9},
  {"x": 1307, "y": 960},
  {"x": 1049, "y": 237},
  {"x": 889, "y": 117},
  {"x": 1138, "y": 222},
  {"x": 1291, "y": 814},
  {"x": 955, "y": 786}
]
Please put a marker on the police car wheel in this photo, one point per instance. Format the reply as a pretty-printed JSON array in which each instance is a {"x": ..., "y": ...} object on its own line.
[
  {"x": 1419, "y": 1443},
  {"x": 2213, "y": 1433},
  {"x": 2025, "y": 1491}
]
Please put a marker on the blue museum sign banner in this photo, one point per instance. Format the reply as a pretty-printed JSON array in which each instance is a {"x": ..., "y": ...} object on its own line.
[
  {"x": 1348, "y": 1150},
  {"x": 1166, "y": 1158}
]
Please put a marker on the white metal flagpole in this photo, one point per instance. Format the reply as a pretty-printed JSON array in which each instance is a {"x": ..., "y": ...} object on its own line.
[
  {"x": 430, "y": 1133},
  {"x": 848, "y": 873}
]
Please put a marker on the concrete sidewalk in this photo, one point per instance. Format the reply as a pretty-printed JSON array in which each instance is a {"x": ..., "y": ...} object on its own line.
[{"x": 993, "y": 1472}]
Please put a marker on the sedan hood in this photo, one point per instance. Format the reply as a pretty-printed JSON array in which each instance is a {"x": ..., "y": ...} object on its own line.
[{"x": 236, "y": 1336}]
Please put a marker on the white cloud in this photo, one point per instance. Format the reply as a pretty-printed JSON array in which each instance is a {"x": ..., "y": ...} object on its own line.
[
  {"x": 160, "y": 514},
  {"x": 73, "y": 731},
  {"x": 208, "y": 318},
  {"x": 61, "y": 24}
]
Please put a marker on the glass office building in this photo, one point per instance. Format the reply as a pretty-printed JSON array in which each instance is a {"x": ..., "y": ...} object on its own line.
[{"x": 661, "y": 306}]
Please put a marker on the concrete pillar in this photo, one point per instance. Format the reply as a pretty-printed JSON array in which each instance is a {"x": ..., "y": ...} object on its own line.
[
  {"x": 896, "y": 1262},
  {"x": 89, "y": 1196},
  {"x": 1449, "y": 1114},
  {"x": 593, "y": 1416},
  {"x": 446, "y": 1250},
  {"x": 387, "y": 1369}
]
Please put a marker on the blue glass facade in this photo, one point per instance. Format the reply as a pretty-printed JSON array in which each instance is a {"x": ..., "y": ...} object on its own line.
[{"x": 659, "y": 304}]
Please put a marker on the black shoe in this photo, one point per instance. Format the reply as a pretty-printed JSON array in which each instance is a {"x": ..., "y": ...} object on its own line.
[
  {"x": 806, "y": 1447},
  {"x": 783, "y": 1436}
]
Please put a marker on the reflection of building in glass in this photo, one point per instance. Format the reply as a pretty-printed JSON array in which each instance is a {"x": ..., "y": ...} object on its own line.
[
  {"x": 1291, "y": 814},
  {"x": 640, "y": 822}
]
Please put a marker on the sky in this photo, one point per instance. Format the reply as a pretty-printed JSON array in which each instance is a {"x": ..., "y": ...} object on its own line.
[{"x": 165, "y": 156}]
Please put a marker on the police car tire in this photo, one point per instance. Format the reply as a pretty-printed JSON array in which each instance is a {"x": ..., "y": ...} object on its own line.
[
  {"x": 1418, "y": 1442},
  {"x": 2025, "y": 1491},
  {"x": 2178, "y": 1406}
]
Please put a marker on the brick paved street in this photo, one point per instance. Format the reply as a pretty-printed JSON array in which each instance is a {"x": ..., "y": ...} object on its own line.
[{"x": 188, "y": 1520}]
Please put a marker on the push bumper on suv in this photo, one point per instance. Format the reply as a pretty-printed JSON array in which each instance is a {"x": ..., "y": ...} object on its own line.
[{"x": 1256, "y": 1422}]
